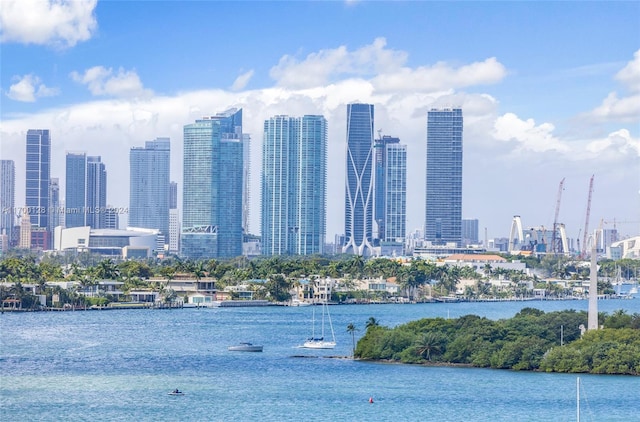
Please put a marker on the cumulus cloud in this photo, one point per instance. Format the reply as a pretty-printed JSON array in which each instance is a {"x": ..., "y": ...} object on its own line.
[
  {"x": 241, "y": 81},
  {"x": 61, "y": 23},
  {"x": 29, "y": 87},
  {"x": 527, "y": 135},
  {"x": 103, "y": 82},
  {"x": 325, "y": 66},
  {"x": 619, "y": 143},
  {"x": 622, "y": 108}
]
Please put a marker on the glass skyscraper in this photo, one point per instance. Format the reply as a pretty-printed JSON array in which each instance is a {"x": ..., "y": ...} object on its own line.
[
  {"x": 213, "y": 187},
  {"x": 38, "y": 173},
  {"x": 85, "y": 191},
  {"x": 150, "y": 186},
  {"x": 443, "y": 220},
  {"x": 359, "y": 189},
  {"x": 294, "y": 163},
  {"x": 391, "y": 190},
  {"x": 7, "y": 197}
]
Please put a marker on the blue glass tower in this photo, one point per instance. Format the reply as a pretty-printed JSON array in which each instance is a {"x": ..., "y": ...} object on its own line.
[
  {"x": 150, "y": 186},
  {"x": 7, "y": 196},
  {"x": 391, "y": 191},
  {"x": 443, "y": 220},
  {"x": 85, "y": 191},
  {"x": 96, "y": 193},
  {"x": 359, "y": 189},
  {"x": 213, "y": 187},
  {"x": 38, "y": 174},
  {"x": 294, "y": 185}
]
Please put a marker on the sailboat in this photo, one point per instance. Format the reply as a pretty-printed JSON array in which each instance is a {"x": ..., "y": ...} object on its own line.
[{"x": 319, "y": 342}]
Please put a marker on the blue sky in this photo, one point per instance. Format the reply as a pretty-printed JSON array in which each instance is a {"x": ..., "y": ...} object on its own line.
[{"x": 549, "y": 90}]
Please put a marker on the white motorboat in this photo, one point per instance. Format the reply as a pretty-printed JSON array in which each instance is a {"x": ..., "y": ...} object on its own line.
[
  {"x": 320, "y": 342},
  {"x": 245, "y": 347}
]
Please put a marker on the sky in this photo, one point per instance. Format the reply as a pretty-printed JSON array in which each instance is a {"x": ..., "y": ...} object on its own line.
[{"x": 550, "y": 91}]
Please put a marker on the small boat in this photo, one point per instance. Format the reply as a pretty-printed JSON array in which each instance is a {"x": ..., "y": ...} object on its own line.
[
  {"x": 176, "y": 392},
  {"x": 245, "y": 347}
]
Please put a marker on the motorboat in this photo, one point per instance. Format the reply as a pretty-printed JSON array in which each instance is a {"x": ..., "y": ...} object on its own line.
[
  {"x": 176, "y": 392},
  {"x": 245, "y": 347}
]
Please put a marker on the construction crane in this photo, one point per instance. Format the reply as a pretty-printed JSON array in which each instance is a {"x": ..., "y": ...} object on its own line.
[
  {"x": 554, "y": 243},
  {"x": 583, "y": 252}
]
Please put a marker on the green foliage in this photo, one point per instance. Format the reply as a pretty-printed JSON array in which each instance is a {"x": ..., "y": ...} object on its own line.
[{"x": 531, "y": 340}]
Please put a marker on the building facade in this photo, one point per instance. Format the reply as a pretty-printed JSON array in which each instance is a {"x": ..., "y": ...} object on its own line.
[
  {"x": 470, "y": 231},
  {"x": 85, "y": 191},
  {"x": 56, "y": 212},
  {"x": 391, "y": 192},
  {"x": 294, "y": 166},
  {"x": 7, "y": 197},
  {"x": 38, "y": 175},
  {"x": 150, "y": 191},
  {"x": 213, "y": 186},
  {"x": 443, "y": 219},
  {"x": 359, "y": 189}
]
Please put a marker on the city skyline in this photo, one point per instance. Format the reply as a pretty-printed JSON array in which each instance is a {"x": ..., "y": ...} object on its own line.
[{"x": 533, "y": 113}]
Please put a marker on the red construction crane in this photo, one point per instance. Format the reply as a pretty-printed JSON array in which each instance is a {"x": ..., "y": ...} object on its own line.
[
  {"x": 586, "y": 220},
  {"x": 554, "y": 243}
]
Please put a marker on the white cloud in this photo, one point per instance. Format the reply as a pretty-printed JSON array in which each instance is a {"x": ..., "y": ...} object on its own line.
[
  {"x": 617, "y": 145},
  {"x": 626, "y": 108},
  {"x": 28, "y": 88},
  {"x": 527, "y": 136},
  {"x": 630, "y": 74},
  {"x": 103, "y": 81},
  {"x": 61, "y": 23},
  {"x": 241, "y": 81},
  {"x": 324, "y": 66}
]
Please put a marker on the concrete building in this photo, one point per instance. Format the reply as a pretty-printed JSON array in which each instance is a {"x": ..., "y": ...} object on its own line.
[
  {"x": 38, "y": 175},
  {"x": 7, "y": 197},
  {"x": 130, "y": 243}
]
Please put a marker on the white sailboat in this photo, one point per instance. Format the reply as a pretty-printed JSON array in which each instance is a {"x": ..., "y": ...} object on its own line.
[{"x": 320, "y": 342}]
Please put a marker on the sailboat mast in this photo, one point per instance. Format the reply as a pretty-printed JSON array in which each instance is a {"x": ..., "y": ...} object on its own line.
[{"x": 578, "y": 399}]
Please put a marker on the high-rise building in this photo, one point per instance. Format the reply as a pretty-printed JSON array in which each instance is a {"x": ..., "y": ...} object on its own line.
[
  {"x": 174, "y": 230},
  {"x": 75, "y": 189},
  {"x": 111, "y": 218},
  {"x": 38, "y": 173},
  {"x": 85, "y": 191},
  {"x": 391, "y": 192},
  {"x": 56, "y": 213},
  {"x": 246, "y": 177},
  {"x": 470, "y": 233},
  {"x": 443, "y": 219},
  {"x": 173, "y": 195},
  {"x": 150, "y": 186},
  {"x": 96, "y": 193},
  {"x": 7, "y": 197},
  {"x": 213, "y": 186},
  {"x": 294, "y": 177},
  {"x": 359, "y": 189}
]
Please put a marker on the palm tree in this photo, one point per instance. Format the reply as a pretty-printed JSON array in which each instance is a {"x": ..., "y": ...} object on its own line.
[
  {"x": 427, "y": 344},
  {"x": 352, "y": 329},
  {"x": 372, "y": 322}
]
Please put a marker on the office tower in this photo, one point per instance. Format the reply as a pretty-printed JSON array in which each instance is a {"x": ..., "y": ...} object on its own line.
[
  {"x": 149, "y": 186},
  {"x": 38, "y": 172},
  {"x": 56, "y": 214},
  {"x": 359, "y": 180},
  {"x": 293, "y": 185},
  {"x": 96, "y": 193},
  {"x": 174, "y": 230},
  {"x": 391, "y": 191},
  {"x": 212, "y": 187},
  {"x": 75, "y": 189},
  {"x": 246, "y": 177},
  {"x": 173, "y": 195},
  {"x": 470, "y": 233},
  {"x": 85, "y": 191},
  {"x": 111, "y": 218},
  {"x": 443, "y": 219},
  {"x": 7, "y": 197},
  {"x": 25, "y": 232}
]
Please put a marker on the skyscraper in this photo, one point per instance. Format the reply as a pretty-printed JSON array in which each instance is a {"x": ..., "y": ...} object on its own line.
[
  {"x": 38, "y": 173},
  {"x": 96, "y": 193},
  {"x": 359, "y": 180},
  {"x": 150, "y": 186},
  {"x": 7, "y": 197},
  {"x": 75, "y": 189},
  {"x": 56, "y": 214},
  {"x": 470, "y": 232},
  {"x": 85, "y": 191},
  {"x": 391, "y": 192},
  {"x": 173, "y": 195},
  {"x": 294, "y": 185},
  {"x": 443, "y": 219},
  {"x": 246, "y": 177},
  {"x": 213, "y": 186}
]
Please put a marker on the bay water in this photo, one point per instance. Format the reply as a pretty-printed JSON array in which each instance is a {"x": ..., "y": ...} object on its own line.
[{"x": 119, "y": 365}]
